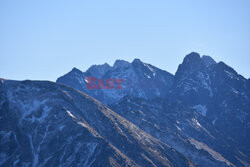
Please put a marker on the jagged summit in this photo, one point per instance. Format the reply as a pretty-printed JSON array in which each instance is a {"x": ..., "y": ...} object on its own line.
[
  {"x": 76, "y": 70},
  {"x": 99, "y": 70},
  {"x": 207, "y": 60},
  {"x": 121, "y": 64},
  {"x": 140, "y": 80},
  {"x": 136, "y": 60},
  {"x": 192, "y": 57},
  {"x": 193, "y": 62},
  {"x": 105, "y": 65}
]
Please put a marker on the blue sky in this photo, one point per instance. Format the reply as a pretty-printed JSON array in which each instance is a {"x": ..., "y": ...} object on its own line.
[{"x": 43, "y": 40}]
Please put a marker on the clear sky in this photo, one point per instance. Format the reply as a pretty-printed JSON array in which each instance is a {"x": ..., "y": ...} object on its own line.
[{"x": 43, "y": 40}]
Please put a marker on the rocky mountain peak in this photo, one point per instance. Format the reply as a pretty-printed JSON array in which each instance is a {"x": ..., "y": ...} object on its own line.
[
  {"x": 76, "y": 70},
  {"x": 191, "y": 63},
  {"x": 191, "y": 58},
  {"x": 194, "y": 63},
  {"x": 99, "y": 70},
  {"x": 137, "y": 61},
  {"x": 207, "y": 60},
  {"x": 121, "y": 64}
]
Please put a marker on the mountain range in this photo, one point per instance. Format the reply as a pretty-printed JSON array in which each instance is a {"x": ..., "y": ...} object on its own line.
[{"x": 197, "y": 117}]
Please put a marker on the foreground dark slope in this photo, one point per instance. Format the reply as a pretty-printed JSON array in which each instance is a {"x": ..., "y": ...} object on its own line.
[{"x": 47, "y": 124}]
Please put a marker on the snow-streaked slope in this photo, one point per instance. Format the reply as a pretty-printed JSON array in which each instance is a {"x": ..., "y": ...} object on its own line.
[
  {"x": 218, "y": 93},
  {"x": 183, "y": 128},
  {"x": 48, "y": 124}
]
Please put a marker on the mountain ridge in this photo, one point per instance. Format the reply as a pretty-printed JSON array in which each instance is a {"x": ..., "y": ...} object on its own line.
[
  {"x": 62, "y": 126},
  {"x": 198, "y": 117},
  {"x": 216, "y": 96}
]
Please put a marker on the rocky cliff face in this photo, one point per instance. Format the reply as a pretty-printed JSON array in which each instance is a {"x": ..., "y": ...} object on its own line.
[{"x": 218, "y": 93}]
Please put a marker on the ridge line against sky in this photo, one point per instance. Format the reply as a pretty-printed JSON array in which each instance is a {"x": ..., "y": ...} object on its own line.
[{"x": 44, "y": 40}]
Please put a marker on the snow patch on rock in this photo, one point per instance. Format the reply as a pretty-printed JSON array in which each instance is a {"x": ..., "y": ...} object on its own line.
[{"x": 202, "y": 109}]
